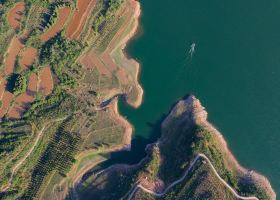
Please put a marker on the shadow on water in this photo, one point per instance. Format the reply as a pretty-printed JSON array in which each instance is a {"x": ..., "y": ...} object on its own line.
[
  {"x": 138, "y": 147},
  {"x": 135, "y": 154}
]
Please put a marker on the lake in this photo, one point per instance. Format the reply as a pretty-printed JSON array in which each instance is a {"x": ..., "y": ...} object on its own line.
[{"x": 234, "y": 71}]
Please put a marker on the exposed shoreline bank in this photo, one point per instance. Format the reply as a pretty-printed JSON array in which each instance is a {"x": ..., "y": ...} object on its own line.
[
  {"x": 123, "y": 44},
  {"x": 199, "y": 116},
  {"x": 113, "y": 107},
  {"x": 140, "y": 92}
]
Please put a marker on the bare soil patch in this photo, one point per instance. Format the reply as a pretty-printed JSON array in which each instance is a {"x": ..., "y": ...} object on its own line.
[
  {"x": 79, "y": 17},
  {"x": 22, "y": 102},
  {"x": 28, "y": 58},
  {"x": 3, "y": 83},
  {"x": 108, "y": 61},
  {"x": 123, "y": 77},
  {"x": 32, "y": 85},
  {"x": 12, "y": 53},
  {"x": 6, "y": 100},
  {"x": 2, "y": 88},
  {"x": 46, "y": 81},
  {"x": 63, "y": 14},
  {"x": 91, "y": 60},
  {"x": 124, "y": 123},
  {"x": 15, "y": 14}
]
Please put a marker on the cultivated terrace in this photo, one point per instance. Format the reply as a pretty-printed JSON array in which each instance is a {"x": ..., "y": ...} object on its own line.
[{"x": 62, "y": 70}]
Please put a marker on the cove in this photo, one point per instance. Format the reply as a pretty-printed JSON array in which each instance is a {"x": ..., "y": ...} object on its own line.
[{"x": 235, "y": 72}]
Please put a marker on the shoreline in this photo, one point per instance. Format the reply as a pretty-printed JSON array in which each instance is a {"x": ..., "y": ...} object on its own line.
[
  {"x": 255, "y": 176},
  {"x": 126, "y": 144},
  {"x": 125, "y": 55},
  {"x": 199, "y": 115},
  {"x": 114, "y": 108},
  {"x": 140, "y": 92},
  {"x": 195, "y": 112}
]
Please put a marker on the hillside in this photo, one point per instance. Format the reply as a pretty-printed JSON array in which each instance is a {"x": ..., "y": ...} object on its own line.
[
  {"x": 190, "y": 161},
  {"x": 62, "y": 70}
]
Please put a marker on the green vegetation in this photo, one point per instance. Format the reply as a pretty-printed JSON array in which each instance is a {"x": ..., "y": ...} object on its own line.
[
  {"x": 54, "y": 52},
  {"x": 44, "y": 106},
  {"x": 58, "y": 156},
  {"x": 6, "y": 32},
  {"x": 11, "y": 137},
  {"x": 111, "y": 185},
  {"x": 20, "y": 85},
  {"x": 109, "y": 9},
  {"x": 51, "y": 16},
  {"x": 181, "y": 141},
  {"x": 73, "y": 99}
]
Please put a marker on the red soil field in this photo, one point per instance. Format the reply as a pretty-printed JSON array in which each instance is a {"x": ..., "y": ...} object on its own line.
[
  {"x": 13, "y": 51},
  {"x": 107, "y": 60},
  {"x": 122, "y": 77},
  {"x": 23, "y": 101},
  {"x": 79, "y": 17},
  {"x": 63, "y": 14},
  {"x": 91, "y": 61},
  {"x": 15, "y": 14},
  {"x": 32, "y": 85},
  {"x": 6, "y": 100},
  {"x": 2, "y": 85},
  {"x": 21, "y": 104},
  {"x": 46, "y": 81},
  {"x": 28, "y": 57}
]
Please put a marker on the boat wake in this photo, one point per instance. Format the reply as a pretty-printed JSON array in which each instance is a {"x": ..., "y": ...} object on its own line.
[{"x": 192, "y": 50}]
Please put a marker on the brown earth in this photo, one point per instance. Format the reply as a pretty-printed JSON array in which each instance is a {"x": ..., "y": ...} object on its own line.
[
  {"x": 108, "y": 61},
  {"x": 91, "y": 60},
  {"x": 12, "y": 53},
  {"x": 135, "y": 6},
  {"x": 46, "y": 81},
  {"x": 126, "y": 144},
  {"x": 105, "y": 63},
  {"x": 2, "y": 85},
  {"x": 79, "y": 17},
  {"x": 28, "y": 57},
  {"x": 123, "y": 77},
  {"x": 24, "y": 100},
  {"x": 63, "y": 14},
  {"x": 32, "y": 85},
  {"x": 15, "y": 14},
  {"x": 6, "y": 100},
  {"x": 21, "y": 104}
]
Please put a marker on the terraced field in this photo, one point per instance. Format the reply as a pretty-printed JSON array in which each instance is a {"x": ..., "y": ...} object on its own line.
[
  {"x": 191, "y": 160},
  {"x": 58, "y": 111}
]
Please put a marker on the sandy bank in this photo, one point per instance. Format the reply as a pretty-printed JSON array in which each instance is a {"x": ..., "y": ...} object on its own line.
[
  {"x": 123, "y": 43},
  {"x": 126, "y": 144}
]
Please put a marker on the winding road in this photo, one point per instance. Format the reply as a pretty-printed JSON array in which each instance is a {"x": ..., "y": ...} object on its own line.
[
  {"x": 184, "y": 176},
  {"x": 17, "y": 166}
]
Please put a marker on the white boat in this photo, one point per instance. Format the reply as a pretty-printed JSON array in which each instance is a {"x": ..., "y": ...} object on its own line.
[{"x": 192, "y": 49}]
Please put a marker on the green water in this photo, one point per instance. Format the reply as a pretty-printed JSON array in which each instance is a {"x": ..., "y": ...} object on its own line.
[{"x": 235, "y": 72}]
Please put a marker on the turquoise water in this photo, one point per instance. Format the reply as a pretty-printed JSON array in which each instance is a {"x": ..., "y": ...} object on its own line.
[{"x": 235, "y": 72}]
